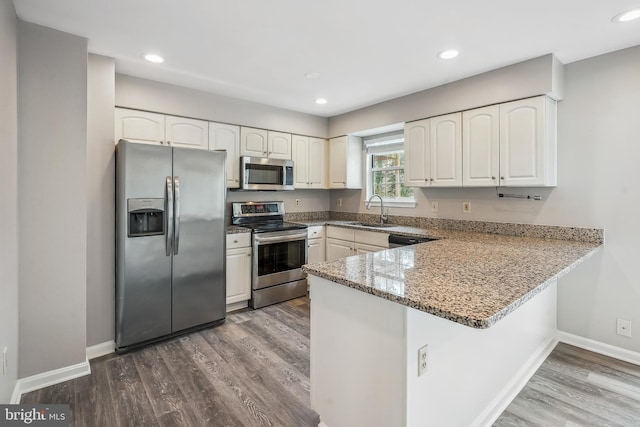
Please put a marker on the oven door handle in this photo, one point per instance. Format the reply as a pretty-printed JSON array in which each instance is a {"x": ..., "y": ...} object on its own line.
[{"x": 277, "y": 239}]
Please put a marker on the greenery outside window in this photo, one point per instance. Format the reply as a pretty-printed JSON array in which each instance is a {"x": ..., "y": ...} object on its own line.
[{"x": 385, "y": 169}]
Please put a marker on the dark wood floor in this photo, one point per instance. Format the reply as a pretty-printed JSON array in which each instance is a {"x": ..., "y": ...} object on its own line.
[
  {"x": 251, "y": 371},
  {"x": 254, "y": 371}
]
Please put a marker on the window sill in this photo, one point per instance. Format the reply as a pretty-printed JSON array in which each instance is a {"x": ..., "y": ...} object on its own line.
[{"x": 392, "y": 203}]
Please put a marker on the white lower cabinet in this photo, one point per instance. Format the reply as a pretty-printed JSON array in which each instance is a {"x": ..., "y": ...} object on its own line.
[
  {"x": 238, "y": 270},
  {"x": 316, "y": 244},
  {"x": 344, "y": 242}
]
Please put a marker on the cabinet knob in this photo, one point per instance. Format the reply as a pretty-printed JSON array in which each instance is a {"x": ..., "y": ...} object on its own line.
[
  {"x": 249, "y": 255},
  {"x": 502, "y": 177},
  {"x": 235, "y": 241},
  {"x": 236, "y": 180},
  {"x": 493, "y": 177},
  {"x": 161, "y": 142},
  {"x": 168, "y": 142},
  {"x": 431, "y": 179}
]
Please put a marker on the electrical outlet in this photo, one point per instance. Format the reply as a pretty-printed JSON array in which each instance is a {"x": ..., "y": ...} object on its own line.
[
  {"x": 434, "y": 206},
  {"x": 466, "y": 207},
  {"x": 339, "y": 202},
  {"x": 5, "y": 361},
  {"x": 297, "y": 202},
  {"x": 623, "y": 327},
  {"x": 422, "y": 360}
]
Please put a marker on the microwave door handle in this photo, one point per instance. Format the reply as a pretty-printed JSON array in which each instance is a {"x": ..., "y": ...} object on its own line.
[
  {"x": 169, "y": 218},
  {"x": 176, "y": 209}
]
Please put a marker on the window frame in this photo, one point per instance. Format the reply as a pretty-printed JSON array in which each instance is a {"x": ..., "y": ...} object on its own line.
[{"x": 391, "y": 142}]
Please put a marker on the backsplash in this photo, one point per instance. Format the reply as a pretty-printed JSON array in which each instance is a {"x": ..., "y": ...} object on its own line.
[{"x": 581, "y": 234}]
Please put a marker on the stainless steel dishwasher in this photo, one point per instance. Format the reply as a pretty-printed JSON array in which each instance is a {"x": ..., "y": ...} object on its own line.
[{"x": 397, "y": 240}]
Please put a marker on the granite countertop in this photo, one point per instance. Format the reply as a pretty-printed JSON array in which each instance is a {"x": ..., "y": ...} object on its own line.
[
  {"x": 474, "y": 279},
  {"x": 234, "y": 229}
]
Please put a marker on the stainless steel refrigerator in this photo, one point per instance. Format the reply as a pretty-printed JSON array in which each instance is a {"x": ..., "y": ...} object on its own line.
[{"x": 170, "y": 248}]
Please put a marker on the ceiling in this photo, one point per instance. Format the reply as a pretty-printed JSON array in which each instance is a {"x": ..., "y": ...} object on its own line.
[{"x": 364, "y": 51}]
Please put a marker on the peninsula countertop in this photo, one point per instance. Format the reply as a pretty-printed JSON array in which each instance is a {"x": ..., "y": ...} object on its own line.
[{"x": 470, "y": 278}]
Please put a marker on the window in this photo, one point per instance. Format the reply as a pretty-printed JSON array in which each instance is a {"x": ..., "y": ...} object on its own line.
[{"x": 385, "y": 169}]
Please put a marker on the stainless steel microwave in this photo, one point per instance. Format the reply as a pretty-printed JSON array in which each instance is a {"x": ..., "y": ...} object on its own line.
[{"x": 261, "y": 173}]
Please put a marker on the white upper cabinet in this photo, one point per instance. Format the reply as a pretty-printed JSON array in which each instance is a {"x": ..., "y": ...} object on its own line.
[
  {"x": 433, "y": 152},
  {"x": 528, "y": 151},
  {"x": 279, "y": 145},
  {"x": 189, "y": 133},
  {"x": 227, "y": 138},
  {"x": 310, "y": 158},
  {"x": 253, "y": 142},
  {"x": 446, "y": 150},
  {"x": 417, "y": 153},
  {"x": 139, "y": 126},
  {"x": 159, "y": 129},
  {"x": 345, "y": 162},
  {"x": 481, "y": 147},
  {"x": 263, "y": 143}
]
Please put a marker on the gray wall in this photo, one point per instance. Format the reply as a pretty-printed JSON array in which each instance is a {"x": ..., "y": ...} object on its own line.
[
  {"x": 598, "y": 171},
  {"x": 52, "y": 184},
  {"x": 9, "y": 197},
  {"x": 133, "y": 92},
  {"x": 542, "y": 75},
  {"x": 100, "y": 197}
]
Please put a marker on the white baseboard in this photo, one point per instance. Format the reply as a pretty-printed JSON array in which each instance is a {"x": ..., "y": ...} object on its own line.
[
  {"x": 237, "y": 306},
  {"x": 509, "y": 392},
  {"x": 46, "y": 379},
  {"x": 99, "y": 350},
  {"x": 600, "y": 347}
]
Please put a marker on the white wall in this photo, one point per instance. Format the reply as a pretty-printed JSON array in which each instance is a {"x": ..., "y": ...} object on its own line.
[
  {"x": 52, "y": 184},
  {"x": 598, "y": 140},
  {"x": 542, "y": 75},
  {"x": 598, "y": 152},
  {"x": 100, "y": 197},
  {"x": 133, "y": 92},
  {"x": 9, "y": 197}
]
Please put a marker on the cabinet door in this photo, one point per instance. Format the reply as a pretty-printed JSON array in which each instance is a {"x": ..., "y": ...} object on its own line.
[
  {"x": 338, "y": 162},
  {"x": 300, "y": 157},
  {"x": 417, "y": 154},
  {"x": 139, "y": 126},
  {"x": 317, "y": 163},
  {"x": 337, "y": 249},
  {"x": 253, "y": 142},
  {"x": 238, "y": 275},
  {"x": 188, "y": 133},
  {"x": 227, "y": 138},
  {"x": 279, "y": 145},
  {"x": 527, "y": 152},
  {"x": 446, "y": 150},
  {"x": 361, "y": 248},
  {"x": 481, "y": 147},
  {"x": 316, "y": 250}
]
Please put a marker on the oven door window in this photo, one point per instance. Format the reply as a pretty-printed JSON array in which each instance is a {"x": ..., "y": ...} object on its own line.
[
  {"x": 264, "y": 174},
  {"x": 280, "y": 257}
]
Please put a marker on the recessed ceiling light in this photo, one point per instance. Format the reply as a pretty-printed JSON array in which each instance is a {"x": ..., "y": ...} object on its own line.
[
  {"x": 627, "y": 16},
  {"x": 448, "y": 54},
  {"x": 156, "y": 59},
  {"x": 321, "y": 101},
  {"x": 312, "y": 76}
]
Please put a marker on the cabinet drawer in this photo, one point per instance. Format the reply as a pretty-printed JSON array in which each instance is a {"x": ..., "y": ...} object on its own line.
[
  {"x": 372, "y": 238},
  {"x": 315, "y": 232},
  {"x": 238, "y": 240},
  {"x": 340, "y": 233}
]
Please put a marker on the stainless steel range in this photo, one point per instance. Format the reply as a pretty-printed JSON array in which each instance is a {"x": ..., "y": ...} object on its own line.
[{"x": 279, "y": 252}]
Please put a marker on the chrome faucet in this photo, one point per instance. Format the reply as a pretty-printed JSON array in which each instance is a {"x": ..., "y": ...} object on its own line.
[{"x": 383, "y": 216}]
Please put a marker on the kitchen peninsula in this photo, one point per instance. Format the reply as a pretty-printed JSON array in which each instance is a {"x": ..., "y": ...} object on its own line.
[{"x": 484, "y": 305}]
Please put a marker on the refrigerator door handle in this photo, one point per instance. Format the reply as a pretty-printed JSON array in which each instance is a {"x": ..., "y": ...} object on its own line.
[
  {"x": 169, "y": 221},
  {"x": 176, "y": 209}
]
